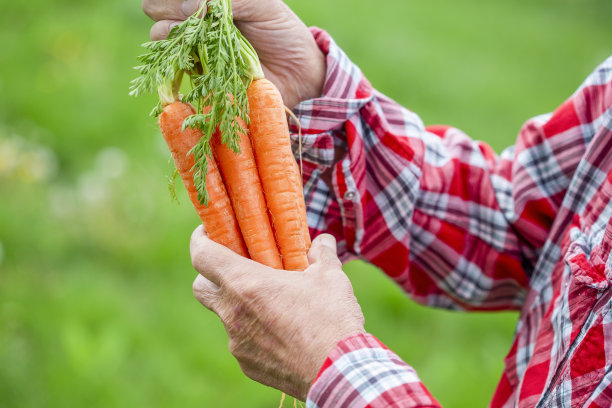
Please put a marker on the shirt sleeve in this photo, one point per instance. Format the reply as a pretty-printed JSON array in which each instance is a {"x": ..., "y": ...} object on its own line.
[
  {"x": 451, "y": 222},
  {"x": 454, "y": 224},
  {"x": 362, "y": 372}
]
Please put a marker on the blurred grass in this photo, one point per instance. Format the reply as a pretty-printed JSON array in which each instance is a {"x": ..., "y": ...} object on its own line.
[{"x": 95, "y": 279}]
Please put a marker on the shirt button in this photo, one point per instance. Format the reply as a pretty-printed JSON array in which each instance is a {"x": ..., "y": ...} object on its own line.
[{"x": 350, "y": 195}]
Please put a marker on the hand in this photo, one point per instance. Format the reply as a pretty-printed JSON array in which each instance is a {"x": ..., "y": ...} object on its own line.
[
  {"x": 281, "y": 324},
  {"x": 288, "y": 53}
]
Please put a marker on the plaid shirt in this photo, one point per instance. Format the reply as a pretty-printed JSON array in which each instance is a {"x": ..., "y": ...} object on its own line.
[{"x": 459, "y": 227}]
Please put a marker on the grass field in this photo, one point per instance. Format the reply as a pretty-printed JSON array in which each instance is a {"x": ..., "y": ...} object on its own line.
[{"x": 95, "y": 279}]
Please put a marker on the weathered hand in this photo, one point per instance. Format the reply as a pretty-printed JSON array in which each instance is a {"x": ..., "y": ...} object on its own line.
[
  {"x": 281, "y": 324},
  {"x": 288, "y": 53}
]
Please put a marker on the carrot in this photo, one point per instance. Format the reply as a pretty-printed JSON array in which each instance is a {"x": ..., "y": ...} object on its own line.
[
  {"x": 298, "y": 177},
  {"x": 278, "y": 172},
  {"x": 302, "y": 205},
  {"x": 244, "y": 188},
  {"x": 218, "y": 217},
  {"x": 226, "y": 78}
]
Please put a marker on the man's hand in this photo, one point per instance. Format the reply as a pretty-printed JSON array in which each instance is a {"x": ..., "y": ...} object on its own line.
[
  {"x": 288, "y": 53},
  {"x": 281, "y": 324}
]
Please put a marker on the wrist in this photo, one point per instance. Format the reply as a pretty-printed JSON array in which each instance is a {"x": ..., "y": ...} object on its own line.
[{"x": 317, "y": 364}]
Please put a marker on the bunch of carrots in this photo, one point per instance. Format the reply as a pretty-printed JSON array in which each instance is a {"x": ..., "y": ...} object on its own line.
[
  {"x": 229, "y": 138},
  {"x": 256, "y": 206}
]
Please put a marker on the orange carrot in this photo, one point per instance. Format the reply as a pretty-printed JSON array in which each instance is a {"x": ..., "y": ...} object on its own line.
[
  {"x": 220, "y": 89},
  {"x": 218, "y": 217},
  {"x": 277, "y": 170},
  {"x": 298, "y": 180},
  {"x": 302, "y": 204},
  {"x": 244, "y": 188}
]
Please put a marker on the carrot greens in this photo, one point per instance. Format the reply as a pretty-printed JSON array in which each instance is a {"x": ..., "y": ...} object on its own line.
[{"x": 221, "y": 65}]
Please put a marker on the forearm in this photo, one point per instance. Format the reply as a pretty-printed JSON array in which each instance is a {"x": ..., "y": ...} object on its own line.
[{"x": 398, "y": 195}]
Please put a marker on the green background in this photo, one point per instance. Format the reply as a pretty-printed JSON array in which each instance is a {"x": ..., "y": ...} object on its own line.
[{"x": 95, "y": 279}]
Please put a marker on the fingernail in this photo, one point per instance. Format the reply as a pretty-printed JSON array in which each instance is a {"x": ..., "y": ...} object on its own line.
[
  {"x": 190, "y": 6},
  {"x": 328, "y": 241}
]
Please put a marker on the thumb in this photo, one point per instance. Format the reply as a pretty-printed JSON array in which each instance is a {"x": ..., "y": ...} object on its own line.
[
  {"x": 215, "y": 262},
  {"x": 323, "y": 251}
]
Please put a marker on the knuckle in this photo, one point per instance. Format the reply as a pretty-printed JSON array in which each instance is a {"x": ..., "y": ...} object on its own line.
[
  {"x": 249, "y": 368},
  {"x": 247, "y": 289},
  {"x": 334, "y": 262},
  {"x": 158, "y": 10},
  {"x": 201, "y": 258},
  {"x": 231, "y": 346},
  {"x": 196, "y": 259},
  {"x": 251, "y": 374},
  {"x": 199, "y": 290},
  {"x": 195, "y": 287},
  {"x": 235, "y": 349},
  {"x": 148, "y": 7},
  {"x": 331, "y": 272},
  {"x": 326, "y": 259},
  {"x": 330, "y": 258},
  {"x": 224, "y": 315},
  {"x": 194, "y": 240}
]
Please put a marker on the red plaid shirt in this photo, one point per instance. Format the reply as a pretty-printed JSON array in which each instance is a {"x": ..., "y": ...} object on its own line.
[{"x": 459, "y": 227}]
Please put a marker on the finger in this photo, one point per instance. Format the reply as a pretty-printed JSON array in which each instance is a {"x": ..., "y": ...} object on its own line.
[
  {"x": 161, "y": 29},
  {"x": 206, "y": 292},
  {"x": 170, "y": 9},
  {"x": 323, "y": 251},
  {"x": 191, "y": 6},
  {"x": 216, "y": 262}
]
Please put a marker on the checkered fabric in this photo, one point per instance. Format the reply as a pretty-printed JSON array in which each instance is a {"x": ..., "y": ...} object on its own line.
[{"x": 459, "y": 227}]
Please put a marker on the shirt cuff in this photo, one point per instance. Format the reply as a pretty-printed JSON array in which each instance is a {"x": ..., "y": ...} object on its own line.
[
  {"x": 363, "y": 372},
  {"x": 322, "y": 119}
]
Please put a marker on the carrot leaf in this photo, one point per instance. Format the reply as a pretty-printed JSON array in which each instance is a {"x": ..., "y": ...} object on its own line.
[
  {"x": 172, "y": 185},
  {"x": 221, "y": 64}
]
